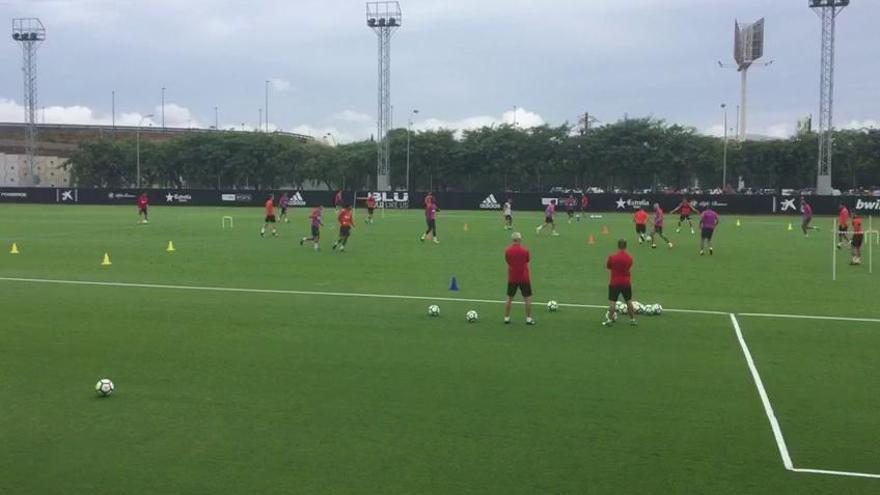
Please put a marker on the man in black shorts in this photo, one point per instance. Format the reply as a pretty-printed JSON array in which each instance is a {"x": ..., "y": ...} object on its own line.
[
  {"x": 270, "y": 217},
  {"x": 620, "y": 284},
  {"x": 857, "y": 240},
  {"x": 518, "y": 279}
]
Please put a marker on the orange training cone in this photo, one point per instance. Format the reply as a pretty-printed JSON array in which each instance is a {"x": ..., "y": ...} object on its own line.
[
  {"x": 591, "y": 240},
  {"x": 605, "y": 230}
]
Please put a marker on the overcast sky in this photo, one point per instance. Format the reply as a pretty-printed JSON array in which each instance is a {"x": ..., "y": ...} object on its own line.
[{"x": 462, "y": 63}]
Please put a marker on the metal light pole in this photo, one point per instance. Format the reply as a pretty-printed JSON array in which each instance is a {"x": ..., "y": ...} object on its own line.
[
  {"x": 724, "y": 154},
  {"x": 30, "y": 33},
  {"x": 408, "y": 131},
  {"x": 514, "y": 115},
  {"x": 260, "y": 125},
  {"x": 137, "y": 134},
  {"x": 163, "y": 108},
  {"x": 384, "y": 18},
  {"x": 216, "y": 119},
  {"x": 113, "y": 106},
  {"x": 267, "y": 106}
]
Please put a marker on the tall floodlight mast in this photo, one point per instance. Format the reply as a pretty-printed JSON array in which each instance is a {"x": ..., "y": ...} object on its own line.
[
  {"x": 748, "y": 46},
  {"x": 384, "y": 18},
  {"x": 30, "y": 33},
  {"x": 827, "y": 11}
]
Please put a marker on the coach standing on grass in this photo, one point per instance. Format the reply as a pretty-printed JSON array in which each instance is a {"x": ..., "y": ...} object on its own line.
[
  {"x": 620, "y": 264},
  {"x": 517, "y": 257}
]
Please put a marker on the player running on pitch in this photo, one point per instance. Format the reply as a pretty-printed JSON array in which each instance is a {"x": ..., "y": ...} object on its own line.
[
  {"x": 658, "y": 227},
  {"x": 371, "y": 207},
  {"x": 585, "y": 202},
  {"x": 316, "y": 218},
  {"x": 857, "y": 239},
  {"x": 570, "y": 205},
  {"x": 346, "y": 223},
  {"x": 709, "y": 220},
  {"x": 685, "y": 209},
  {"x": 641, "y": 220},
  {"x": 620, "y": 264},
  {"x": 338, "y": 200},
  {"x": 517, "y": 257},
  {"x": 431, "y": 220},
  {"x": 549, "y": 218},
  {"x": 270, "y": 217},
  {"x": 807, "y": 217},
  {"x": 143, "y": 204},
  {"x": 283, "y": 203},
  {"x": 507, "y": 211},
  {"x": 842, "y": 225}
]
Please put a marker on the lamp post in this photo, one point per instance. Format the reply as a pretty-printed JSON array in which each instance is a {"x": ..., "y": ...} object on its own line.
[
  {"x": 724, "y": 153},
  {"x": 267, "y": 105},
  {"x": 408, "y": 131},
  {"x": 163, "y": 108},
  {"x": 216, "y": 118},
  {"x": 137, "y": 134}
]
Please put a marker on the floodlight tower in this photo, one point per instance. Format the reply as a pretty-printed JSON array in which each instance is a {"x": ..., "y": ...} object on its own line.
[
  {"x": 748, "y": 46},
  {"x": 384, "y": 18},
  {"x": 30, "y": 32},
  {"x": 827, "y": 11}
]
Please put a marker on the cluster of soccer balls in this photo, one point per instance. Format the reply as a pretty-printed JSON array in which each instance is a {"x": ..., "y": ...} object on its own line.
[
  {"x": 472, "y": 316},
  {"x": 641, "y": 309}
]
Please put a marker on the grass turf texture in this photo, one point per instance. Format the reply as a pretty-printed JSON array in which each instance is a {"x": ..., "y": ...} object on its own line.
[{"x": 279, "y": 393}]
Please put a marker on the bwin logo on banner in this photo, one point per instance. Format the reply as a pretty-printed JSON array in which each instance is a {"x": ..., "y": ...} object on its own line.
[
  {"x": 868, "y": 205},
  {"x": 490, "y": 203}
]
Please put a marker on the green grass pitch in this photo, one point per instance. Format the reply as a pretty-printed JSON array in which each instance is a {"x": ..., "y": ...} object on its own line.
[{"x": 283, "y": 392}]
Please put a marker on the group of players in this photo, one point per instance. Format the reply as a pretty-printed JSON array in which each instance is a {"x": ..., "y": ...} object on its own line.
[{"x": 844, "y": 218}]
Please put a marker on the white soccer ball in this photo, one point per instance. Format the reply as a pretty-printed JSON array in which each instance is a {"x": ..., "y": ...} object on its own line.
[
  {"x": 639, "y": 307},
  {"x": 609, "y": 316},
  {"x": 552, "y": 305},
  {"x": 433, "y": 310},
  {"x": 658, "y": 310},
  {"x": 621, "y": 307},
  {"x": 104, "y": 387},
  {"x": 471, "y": 316}
]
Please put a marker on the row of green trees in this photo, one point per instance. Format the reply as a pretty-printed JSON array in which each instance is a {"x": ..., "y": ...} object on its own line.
[{"x": 630, "y": 154}]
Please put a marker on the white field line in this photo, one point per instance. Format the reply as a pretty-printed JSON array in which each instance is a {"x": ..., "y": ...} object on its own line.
[
  {"x": 759, "y": 384},
  {"x": 771, "y": 416},
  {"x": 810, "y": 317}
]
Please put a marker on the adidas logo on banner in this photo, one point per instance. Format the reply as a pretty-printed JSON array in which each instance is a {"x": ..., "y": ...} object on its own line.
[
  {"x": 297, "y": 199},
  {"x": 490, "y": 203}
]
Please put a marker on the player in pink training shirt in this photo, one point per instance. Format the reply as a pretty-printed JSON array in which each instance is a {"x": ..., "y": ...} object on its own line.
[
  {"x": 549, "y": 218},
  {"x": 709, "y": 219},
  {"x": 431, "y": 220},
  {"x": 658, "y": 227},
  {"x": 807, "y": 213}
]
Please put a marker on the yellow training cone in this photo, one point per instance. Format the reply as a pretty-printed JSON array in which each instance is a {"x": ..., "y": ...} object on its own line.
[
  {"x": 170, "y": 247},
  {"x": 14, "y": 249},
  {"x": 789, "y": 226},
  {"x": 465, "y": 227},
  {"x": 738, "y": 223},
  {"x": 106, "y": 261}
]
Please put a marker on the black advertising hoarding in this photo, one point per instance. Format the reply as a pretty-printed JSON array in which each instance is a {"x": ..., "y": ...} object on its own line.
[{"x": 476, "y": 201}]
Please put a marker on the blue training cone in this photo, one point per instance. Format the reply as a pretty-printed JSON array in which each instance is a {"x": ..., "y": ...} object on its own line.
[{"x": 454, "y": 285}]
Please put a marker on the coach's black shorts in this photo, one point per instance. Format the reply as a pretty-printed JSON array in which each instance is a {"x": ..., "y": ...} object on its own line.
[
  {"x": 270, "y": 218},
  {"x": 842, "y": 228},
  {"x": 316, "y": 231},
  {"x": 615, "y": 292},
  {"x": 684, "y": 217},
  {"x": 370, "y": 210},
  {"x": 525, "y": 289},
  {"x": 857, "y": 240},
  {"x": 344, "y": 231},
  {"x": 707, "y": 233},
  {"x": 548, "y": 219},
  {"x": 641, "y": 228}
]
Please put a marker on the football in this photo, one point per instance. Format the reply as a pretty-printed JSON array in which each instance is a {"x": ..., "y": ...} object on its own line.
[
  {"x": 433, "y": 310},
  {"x": 610, "y": 316},
  {"x": 552, "y": 305},
  {"x": 658, "y": 310},
  {"x": 104, "y": 387},
  {"x": 471, "y": 316}
]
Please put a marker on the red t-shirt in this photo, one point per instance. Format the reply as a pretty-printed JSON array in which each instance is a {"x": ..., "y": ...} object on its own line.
[
  {"x": 517, "y": 257},
  {"x": 843, "y": 218},
  {"x": 345, "y": 219},
  {"x": 584, "y": 202},
  {"x": 620, "y": 264},
  {"x": 641, "y": 217},
  {"x": 857, "y": 225},
  {"x": 270, "y": 208},
  {"x": 371, "y": 202},
  {"x": 337, "y": 200},
  {"x": 143, "y": 202},
  {"x": 686, "y": 208}
]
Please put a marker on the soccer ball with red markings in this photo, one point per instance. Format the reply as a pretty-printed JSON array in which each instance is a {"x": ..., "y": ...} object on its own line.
[{"x": 104, "y": 387}]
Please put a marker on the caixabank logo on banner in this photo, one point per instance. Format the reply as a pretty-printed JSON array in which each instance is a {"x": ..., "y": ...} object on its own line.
[
  {"x": 396, "y": 200},
  {"x": 66, "y": 196}
]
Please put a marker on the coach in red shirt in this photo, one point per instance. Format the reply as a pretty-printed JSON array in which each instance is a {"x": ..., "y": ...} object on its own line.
[
  {"x": 620, "y": 284},
  {"x": 517, "y": 257}
]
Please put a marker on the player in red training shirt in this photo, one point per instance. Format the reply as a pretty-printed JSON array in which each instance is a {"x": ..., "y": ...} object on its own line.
[
  {"x": 143, "y": 204},
  {"x": 658, "y": 227},
  {"x": 620, "y": 284},
  {"x": 585, "y": 202},
  {"x": 517, "y": 257},
  {"x": 685, "y": 209},
  {"x": 857, "y": 239},
  {"x": 641, "y": 220},
  {"x": 570, "y": 205},
  {"x": 371, "y": 207},
  {"x": 270, "y": 217},
  {"x": 346, "y": 222},
  {"x": 842, "y": 225},
  {"x": 806, "y": 217},
  {"x": 316, "y": 218}
]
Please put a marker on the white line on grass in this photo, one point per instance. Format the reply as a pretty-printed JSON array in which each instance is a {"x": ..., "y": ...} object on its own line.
[
  {"x": 771, "y": 416},
  {"x": 810, "y": 317},
  {"x": 768, "y": 408}
]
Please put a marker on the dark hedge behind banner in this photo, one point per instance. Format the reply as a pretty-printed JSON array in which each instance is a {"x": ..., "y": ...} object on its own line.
[{"x": 491, "y": 201}]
